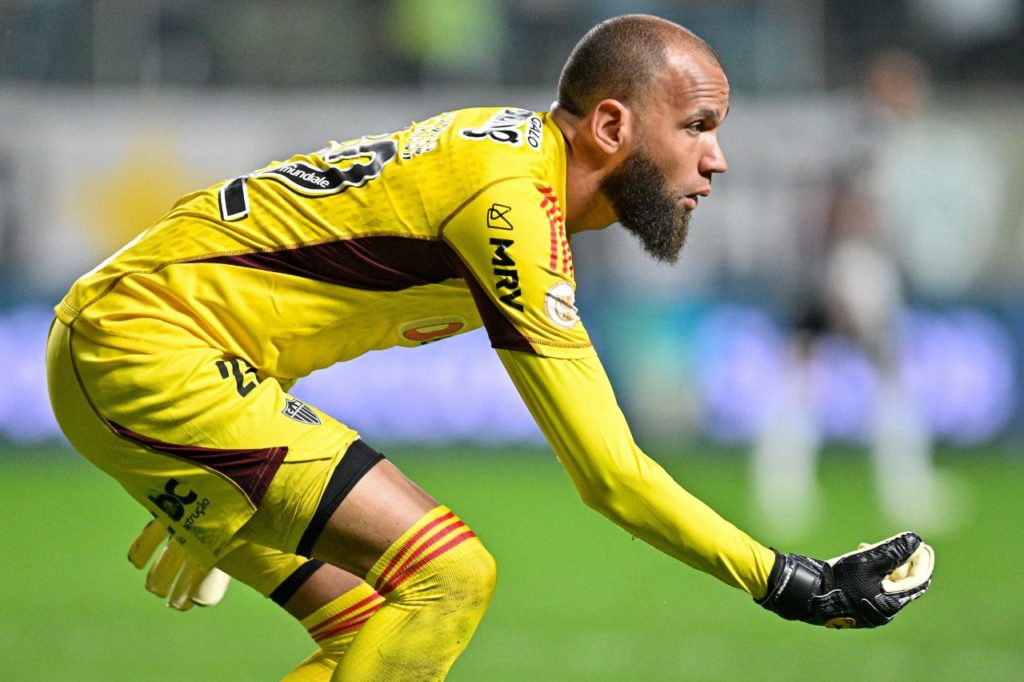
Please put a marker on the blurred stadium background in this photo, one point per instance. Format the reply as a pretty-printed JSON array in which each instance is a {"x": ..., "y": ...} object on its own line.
[{"x": 111, "y": 109}]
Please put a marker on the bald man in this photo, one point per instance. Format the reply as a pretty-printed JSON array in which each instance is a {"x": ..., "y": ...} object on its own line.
[{"x": 170, "y": 363}]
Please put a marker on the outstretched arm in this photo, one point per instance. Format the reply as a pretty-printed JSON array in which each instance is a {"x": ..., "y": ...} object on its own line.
[
  {"x": 575, "y": 407},
  {"x": 573, "y": 403}
]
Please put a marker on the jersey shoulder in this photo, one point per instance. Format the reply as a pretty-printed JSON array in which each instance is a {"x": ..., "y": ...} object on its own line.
[{"x": 497, "y": 143}]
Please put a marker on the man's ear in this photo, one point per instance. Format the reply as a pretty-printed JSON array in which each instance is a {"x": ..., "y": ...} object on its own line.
[{"x": 611, "y": 127}]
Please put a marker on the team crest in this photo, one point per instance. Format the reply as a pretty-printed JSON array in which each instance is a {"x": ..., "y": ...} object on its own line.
[{"x": 300, "y": 412}]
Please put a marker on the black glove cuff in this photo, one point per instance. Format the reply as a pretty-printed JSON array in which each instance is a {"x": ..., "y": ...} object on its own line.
[{"x": 793, "y": 581}]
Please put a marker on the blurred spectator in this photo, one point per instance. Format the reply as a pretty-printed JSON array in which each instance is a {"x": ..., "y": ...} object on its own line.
[
  {"x": 935, "y": 183},
  {"x": 856, "y": 290}
]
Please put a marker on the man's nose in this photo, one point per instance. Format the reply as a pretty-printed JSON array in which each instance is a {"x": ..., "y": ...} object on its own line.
[{"x": 714, "y": 160}]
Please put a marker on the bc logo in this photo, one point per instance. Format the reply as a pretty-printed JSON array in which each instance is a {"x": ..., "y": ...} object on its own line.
[{"x": 172, "y": 502}]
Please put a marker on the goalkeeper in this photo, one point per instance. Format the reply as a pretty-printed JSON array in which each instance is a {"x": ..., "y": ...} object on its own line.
[{"x": 170, "y": 364}]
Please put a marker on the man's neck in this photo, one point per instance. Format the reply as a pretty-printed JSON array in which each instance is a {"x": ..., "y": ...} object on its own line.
[{"x": 586, "y": 206}]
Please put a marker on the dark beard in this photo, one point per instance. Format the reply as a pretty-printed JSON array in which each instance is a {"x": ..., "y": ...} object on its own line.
[{"x": 644, "y": 205}]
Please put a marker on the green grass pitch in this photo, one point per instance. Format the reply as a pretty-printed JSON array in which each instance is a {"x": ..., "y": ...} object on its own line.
[{"x": 577, "y": 599}]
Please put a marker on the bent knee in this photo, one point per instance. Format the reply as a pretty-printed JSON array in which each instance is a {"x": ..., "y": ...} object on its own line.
[
  {"x": 439, "y": 557},
  {"x": 481, "y": 569},
  {"x": 463, "y": 576},
  {"x": 468, "y": 574}
]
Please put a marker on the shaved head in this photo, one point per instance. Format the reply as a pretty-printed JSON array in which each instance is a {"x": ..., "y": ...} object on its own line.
[
  {"x": 640, "y": 101},
  {"x": 620, "y": 57}
]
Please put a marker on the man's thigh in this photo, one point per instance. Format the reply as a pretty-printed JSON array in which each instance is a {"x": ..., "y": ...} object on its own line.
[
  {"x": 297, "y": 584},
  {"x": 198, "y": 440}
]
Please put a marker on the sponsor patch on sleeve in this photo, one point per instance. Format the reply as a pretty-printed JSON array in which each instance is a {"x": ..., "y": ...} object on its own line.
[{"x": 560, "y": 305}]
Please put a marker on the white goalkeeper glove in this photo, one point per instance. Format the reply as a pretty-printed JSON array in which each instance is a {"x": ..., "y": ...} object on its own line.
[
  {"x": 861, "y": 589},
  {"x": 174, "y": 572}
]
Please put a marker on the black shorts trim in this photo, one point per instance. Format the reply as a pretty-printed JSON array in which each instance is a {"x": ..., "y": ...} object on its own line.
[
  {"x": 292, "y": 583},
  {"x": 357, "y": 460}
]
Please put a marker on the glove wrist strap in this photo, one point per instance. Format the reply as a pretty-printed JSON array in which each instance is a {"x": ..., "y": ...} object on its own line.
[{"x": 794, "y": 579}]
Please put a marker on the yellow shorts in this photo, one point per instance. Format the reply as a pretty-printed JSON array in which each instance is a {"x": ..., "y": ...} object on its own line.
[
  {"x": 272, "y": 573},
  {"x": 219, "y": 455}
]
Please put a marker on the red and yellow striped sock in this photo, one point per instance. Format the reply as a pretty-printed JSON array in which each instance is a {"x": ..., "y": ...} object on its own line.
[
  {"x": 334, "y": 626},
  {"x": 435, "y": 534},
  {"x": 438, "y": 580}
]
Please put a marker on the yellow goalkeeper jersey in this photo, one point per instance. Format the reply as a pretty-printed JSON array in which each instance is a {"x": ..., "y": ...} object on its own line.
[
  {"x": 398, "y": 240},
  {"x": 390, "y": 240}
]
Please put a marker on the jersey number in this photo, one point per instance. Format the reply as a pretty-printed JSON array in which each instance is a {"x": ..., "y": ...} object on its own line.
[
  {"x": 234, "y": 368},
  {"x": 364, "y": 160}
]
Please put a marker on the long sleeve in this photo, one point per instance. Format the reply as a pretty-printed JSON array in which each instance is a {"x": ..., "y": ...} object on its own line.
[{"x": 574, "y": 405}]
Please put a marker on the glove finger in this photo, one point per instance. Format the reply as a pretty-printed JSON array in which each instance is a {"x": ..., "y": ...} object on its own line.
[
  {"x": 165, "y": 569},
  {"x": 146, "y": 544},
  {"x": 892, "y": 603},
  {"x": 188, "y": 579},
  {"x": 898, "y": 573},
  {"x": 211, "y": 588},
  {"x": 882, "y": 557},
  {"x": 913, "y": 573},
  {"x": 898, "y": 550}
]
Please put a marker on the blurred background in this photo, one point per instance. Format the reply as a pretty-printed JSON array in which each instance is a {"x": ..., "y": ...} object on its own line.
[{"x": 840, "y": 346}]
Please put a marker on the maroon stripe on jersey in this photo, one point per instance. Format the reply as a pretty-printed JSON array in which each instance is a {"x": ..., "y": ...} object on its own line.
[
  {"x": 500, "y": 330},
  {"x": 370, "y": 263},
  {"x": 251, "y": 470}
]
